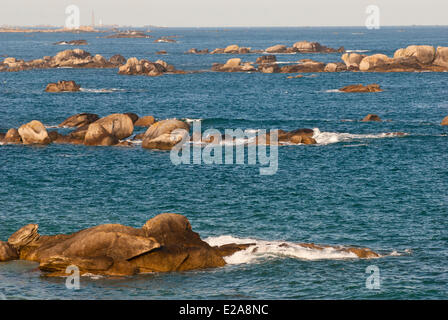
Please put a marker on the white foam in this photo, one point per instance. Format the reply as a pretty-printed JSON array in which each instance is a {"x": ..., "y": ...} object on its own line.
[
  {"x": 324, "y": 138},
  {"x": 188, "y": 120},
  {"x": 357, "y": 50},
  {"x": 262, "y": 250},
  {"x": 101, "y": 90},
  {"x": 333, "y": 90}
]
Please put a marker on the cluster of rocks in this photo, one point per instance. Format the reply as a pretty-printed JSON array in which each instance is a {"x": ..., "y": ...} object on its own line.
[
  {"x": 165, "y": 243},
  {"x": 128, "y": 34},
  {"x": 361, "y": 88},
  {"x": 63, "y": 86},
  {"x": 412, "y": 58},
  {"x": 145, "y": 67},
  {"x": 75, "y": 58},
  {"x": 72, "y": 43},
  {"x": 298, "y": 47}
]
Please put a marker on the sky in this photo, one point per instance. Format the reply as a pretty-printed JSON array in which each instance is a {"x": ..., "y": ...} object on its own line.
[{"x": 225, "y": 13}]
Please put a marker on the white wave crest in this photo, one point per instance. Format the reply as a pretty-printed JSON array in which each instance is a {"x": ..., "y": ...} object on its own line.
[
  {"x": 101, "y": 90},
  {"x": 324, "y": 138},
  {"x": 357, "y": 50},
  {"x": 262, "y": 249}
]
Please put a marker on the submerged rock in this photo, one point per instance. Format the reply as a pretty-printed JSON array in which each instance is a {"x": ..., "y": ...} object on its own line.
[
  {"x": 34, "y": 132},
  {"x": 63, "y": 86},
  {"x": 72, "y": 43},
  {"x": 361, "y": 88},
  {"x": 371, "y": 117}
]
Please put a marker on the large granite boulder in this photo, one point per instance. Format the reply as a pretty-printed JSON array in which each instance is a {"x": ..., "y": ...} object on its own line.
[
  {"x": 441, "y": 58},
  {"x": 34, "y": 132},
  {"x": 233, "y": 65},
  {"x": 361, "y": 88},
  {"x": 165, "y": 134},
  {"x": 142, "y": 67},
  {"x": 279, "y": 48},
  {"x": 371, "y": 62},
  {"x": 97, "y": 135},
  {"x": 352, "y": 60},
  {"x": 117, "y": 124},
  {"x": 12, "y": 137},
  {"x": 423, "y": 54},
  {"x": 444, "y": 121},
  {"x": 7, "y": 252}
]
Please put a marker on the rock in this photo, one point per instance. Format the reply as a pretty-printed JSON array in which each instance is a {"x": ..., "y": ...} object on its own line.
[
  {"x": 63, "y": 86},
  {"x": 335, "y": 67},
  {"x": 145, "y": 121},
  {"x": 61, "y": 139},
  {"x": 97, "y": 135},
  {"x": 370, "y": 62},
  {"x": 162, "y": 52},
  {"x": 165, "y": 40},
  {"x": 441, "y": 58},
  {"x": 279, "y": 48},
  {"x": 233, "y": 65},
  {"x": 129, "y": 34},
  {"x": 444, "y": 121},
  {"x": 165, "y": 243},
  {"x": 231, "y": 248},
  {"x": 7, "y": 252},
  {"x": 165, "y": 134},
  {"x": 34, "y": 132},
  {"x": 360, "y": 88},
  {"x": 304, "y": 136},
  {"x": 269, "y": 68},
  {"x": 231, "y": 49},
  {"x": 133, "y": 116},
  {"x": 117, "y": 60},
  {"x": 371, "y": 117},
  {"x": 305, "y": 46},
  {"x": 143, "y": 67},
  {"x": 12, "y": 137},
  {"x": 266, "y": 59},
  {"x": 305, "y": 66},
  {"x": 117, "y": 124},
  {"x": 423, "y": 54},
  {"x": 168, "y": 67},
  {"x": 352, "y": 60},
  {"x": 196, "y": 51},
  {"x": 24, "y": 236},
  {"x": 79, "y": 120},
  {"x": 217, "y": 51}
]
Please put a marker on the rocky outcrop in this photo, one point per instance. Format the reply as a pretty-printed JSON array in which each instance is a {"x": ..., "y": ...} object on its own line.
[
  {"x": 423, "y": 54},
  {"x": 303, "y": 136},
  {"x": 162, "y": 52},
  {"x": 72, "y": 43},
  {"x": 371, "y": 117},
  {"x": 106, "y": 131},
  {"x": 361, "y": 88},
  {"x": 352, "y": 60},
  {"x": 117, "y": 124},
  {"x": 7, "y": 252},
  {"x": 165, "y": 134},
  {"x": 129, "y": 34},
  {"x": 144, "y": 67},
  {"x": 63, "y": 86},
  {"x": 165, "y": 243},
  {"x": 75, "y": 58},
  {"x": 97, "y": 135},
  {"x": 305, "y": 66},
  {"x": 79, "y": 120},
  {"x": 444, "y": 121},
  {"x": 34, "y": 132},
  {"x": 374, "y": 61},
  {"x": 134, "y": 117},
  {"x": 279, "y": 48},
  {"x": 314, "y": 47},
  {"x": 233, "y": 65},
  {"x": 335, "y": 67},
  {"x": 196, "y": 51},
  {"x": 117, "y": 60},
  {"x": 441, "y": 58},
  {"x": 12, "y": 137},
  {"x": 145, "y": 121},
  {"x": 165, "y": 40},
  {"x": 266, "y": 59}
]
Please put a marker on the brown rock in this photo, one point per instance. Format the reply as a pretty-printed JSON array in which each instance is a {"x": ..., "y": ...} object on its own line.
[
  {"x": 360, "y": 88},
  {"x": 352, "y": 60},
  {"x": 79, "y": 120},
  {"x": 441, "y": 58},
  {"x": 423, "y": 54},
  {"x": 133, "y": 116},
  {"x": 12, "y": 136},
  {"x": 279, "y": 48},
  {"x": 97, "y": 135},
  {"x": 445, "y": 121},
  {"x": 266, "y": 59},
  {"x": 304, "y": 67},
  {"x": 145, "y": 121},
  {"x": 24, "y": 236},
  {"x": 165, "y": 134},
  {"x": 7, "y": 252},
  {"x": 34, "y": 132},
  {"x": 63, "y": 86},
  {"x": 371, "y": 117},
  {"x": 335, "y": 67},
  {"x": 117, "y": 60},
  {"x": 117, "y": 124}
]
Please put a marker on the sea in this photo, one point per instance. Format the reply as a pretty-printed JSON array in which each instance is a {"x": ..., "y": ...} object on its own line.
[{"x": 358, "y": 186}]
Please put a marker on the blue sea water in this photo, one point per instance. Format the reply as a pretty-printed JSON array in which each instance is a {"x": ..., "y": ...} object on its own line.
[{"x": 356, "y": 187}]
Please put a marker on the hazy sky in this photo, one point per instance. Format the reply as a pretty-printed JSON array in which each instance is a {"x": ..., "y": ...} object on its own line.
[{"x": 203, "y": 13}]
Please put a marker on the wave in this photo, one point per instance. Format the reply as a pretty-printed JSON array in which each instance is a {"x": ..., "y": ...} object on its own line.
[
  {"x": 333, "y": 90},
  {"x": 355, "y": 50},
  {"x": 324, "y": 138},
  {"x": 102, "y": 90},
  {"x": 260, "y": 250}
]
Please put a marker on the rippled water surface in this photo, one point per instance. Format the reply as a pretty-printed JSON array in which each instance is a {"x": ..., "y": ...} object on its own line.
[{"x": 357, "y": 187}]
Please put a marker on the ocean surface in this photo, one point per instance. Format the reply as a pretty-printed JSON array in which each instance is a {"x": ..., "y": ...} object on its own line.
[{"x": 357, "y": 187}]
